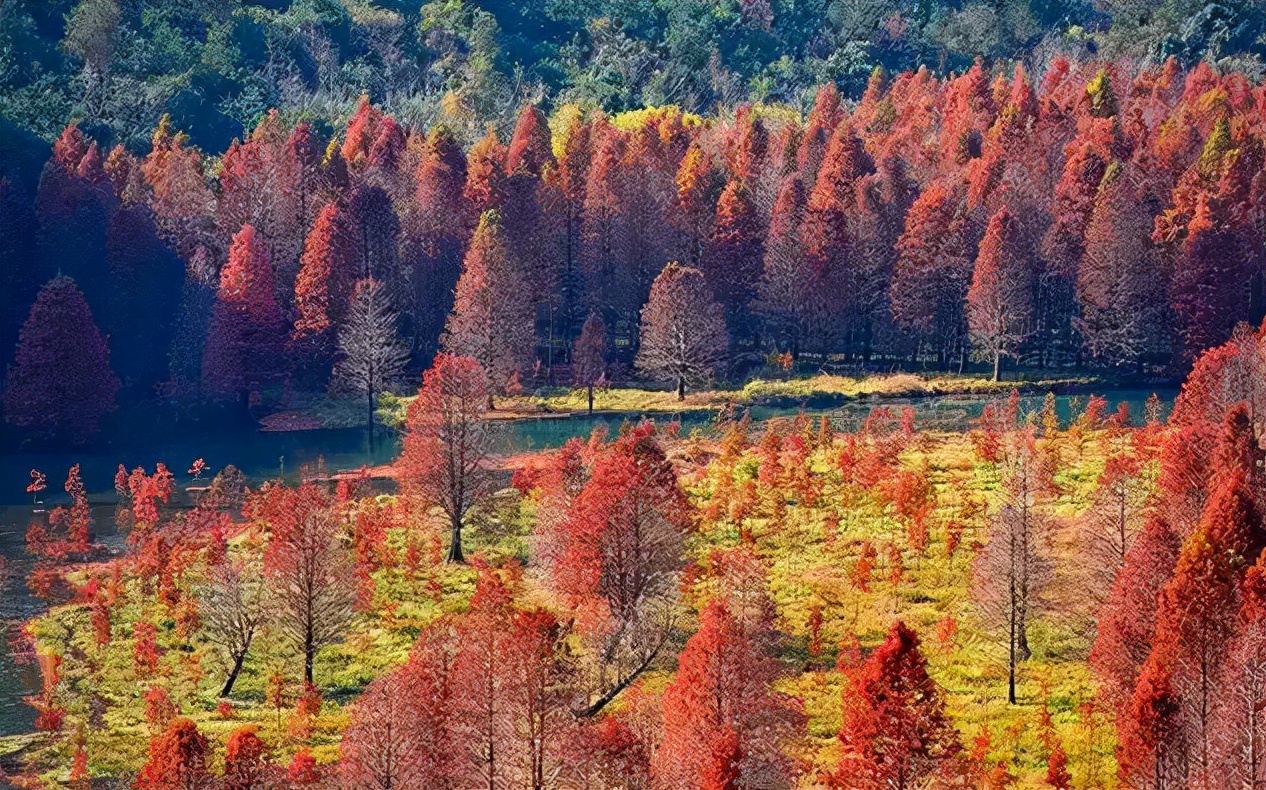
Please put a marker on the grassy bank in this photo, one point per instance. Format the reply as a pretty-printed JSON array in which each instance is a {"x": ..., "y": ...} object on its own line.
[{"x": 756, "y": 392}]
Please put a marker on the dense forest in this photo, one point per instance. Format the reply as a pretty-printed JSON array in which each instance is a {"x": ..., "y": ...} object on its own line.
[
  {"x": 1099, "y": 215},
  {"x": 225, "y": 216}
]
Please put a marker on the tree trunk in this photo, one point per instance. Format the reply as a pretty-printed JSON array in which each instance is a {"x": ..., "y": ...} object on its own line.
[
  {"x": 369, "y": 418},
  {"x": 1011, "y": 650},
  {"x": 997, "y": 365},
  {"x": 233, "y": 673},
  {"x": 590, "y": 399},
  {"x": 681, "y": 388},
  {"x": 455, "y": 548},
  {"x": 309, "y": 658}
]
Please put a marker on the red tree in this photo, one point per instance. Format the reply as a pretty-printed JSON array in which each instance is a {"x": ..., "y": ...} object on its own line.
[
  {"x": 446, "y": 443},
  {"x": 1119, "y": 283},
  {"x": 327, "y": 275},
  {"x": 722, "y": 685},
  {"x": 1000, "y": 299},
  {"x": 896, "y": 732},
  {"x": 308, "y": 569},
  {"x": 492, "y": 318},
  {"x": 588, "y": 355},
  {"x": 683, "y": 329},
  {"x": 177, "y": 759},
  {"x": 615, "y": 553},
  {"x": 934, "y": 269},
  {"x": 60, "y": 381},
  {"x": 1127, "y": 618},
  {"x": 530, "y": 149},
  {"x": 243, "y": 349},
  {"x": 245, "y": 760},
  {"x": 731, "y": 261}
]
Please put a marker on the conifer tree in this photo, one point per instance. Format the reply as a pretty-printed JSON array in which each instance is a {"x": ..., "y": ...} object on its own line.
[
  {"x": 896, "y": 731},
  {"x": 446, "y": 443},
  {"x": 683, "y": 329},
  {"x": 244, "y": 344},
  {"x": 372, "y": 355},
  {"x": 60, "y": 381},
  {"x": 1000, "y": 299},
  {"x": 492, "y": 318}
]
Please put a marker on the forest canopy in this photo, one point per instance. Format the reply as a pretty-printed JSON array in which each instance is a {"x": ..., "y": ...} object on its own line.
[{"x": 217, "y": 66}]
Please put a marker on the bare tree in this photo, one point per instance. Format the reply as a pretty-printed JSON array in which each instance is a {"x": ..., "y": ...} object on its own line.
[
  {"x": 447, "y": 442},
  {"x": 683, "y": 329},
  {"x": 232, "y": 611},
  {"x": 1014, "y": 568},
  {"x": 309, "y": 572},
  {"x": 1109, "y": 526},
  {"x": 372, "y": 355},
  {"x": 588, "y": 355}
]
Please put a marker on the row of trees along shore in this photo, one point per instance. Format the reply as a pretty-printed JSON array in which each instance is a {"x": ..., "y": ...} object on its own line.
[
  {"x": 1103, "y": 214},
  {"x": 514, "y": 687}
]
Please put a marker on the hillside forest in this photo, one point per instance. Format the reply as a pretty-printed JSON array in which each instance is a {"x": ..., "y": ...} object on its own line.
[{"x": 845, "y": 279}]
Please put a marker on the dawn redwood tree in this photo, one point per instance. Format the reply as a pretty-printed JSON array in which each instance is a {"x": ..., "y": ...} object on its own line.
[
  {"x": 1074, "y": 202},
  {"x": 1112, "y": 521},
  {"x": 402, "y": 725},
  {"x": 447, "y": 443},
  {"x": 328, "y": 272},
  {"x": 372, "y": 355},
  {"x": 530, "y": 149},
  {"x": 244, "y": 347},
  {"x": 437, "y": 232},
  {"x": 306, "y": 567},
  {"x": 1199, "y": 607},
  {"x": 1000, "y": 299},
  {"x": 232, "y": 612},
  {"x": 698, "y": 185},
  {"x": 683, "y": 329},
  {"x": 246, "y": 760},
  {"x": 934, "y": 269},
  {"x": 375, "y": 233},
  {"x": 379, "y": 750},
  {"x": 589, "y": 355},
  {"x": 1149, "y": 750},
  {"x": 785, "y": 290},
  {"x": 178, "y": 759},
  {"x": 1014, "y": 569},
  {"x": 829, "y": 237},
  {"x": 1210, "y": 280},
  {"x": 60, "y": 381},
  {"x": 722, "y": 682},
  {"x": 614, "y": 556},
  {"x": 1120, "y": 283},
  {"x": 731, "y": 260},
  {"x": 1126, "y": 622},
  {"x": 492, "y": 318},
  {"x": 896, "y": 732},
  {"x": 485, "y": 176}
]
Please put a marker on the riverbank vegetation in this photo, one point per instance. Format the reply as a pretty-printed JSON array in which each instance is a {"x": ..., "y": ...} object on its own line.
[{"x": 653, "y": 608}]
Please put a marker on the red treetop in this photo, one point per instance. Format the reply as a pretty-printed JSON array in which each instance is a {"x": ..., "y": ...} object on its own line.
[
  {"x": 177, "y": 759},
  {"x": 530, "y": 149},
  {"x": 60, "y": 380},
  {"x": 244, "y": 342},
  {"x": 720, "y": 695},
  {"x": 328, "y": 272},
  {"x": 895, "y": 729},
  {"x": 732, "y": 260}
]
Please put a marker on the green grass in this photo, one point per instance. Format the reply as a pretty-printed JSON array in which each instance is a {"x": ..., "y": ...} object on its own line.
[
  {"x": 805, "y": 566},
  {"x": 755, "y": 392}
]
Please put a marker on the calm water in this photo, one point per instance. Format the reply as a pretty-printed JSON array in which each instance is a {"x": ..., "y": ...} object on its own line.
[{"x": 265, "y": 455}]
